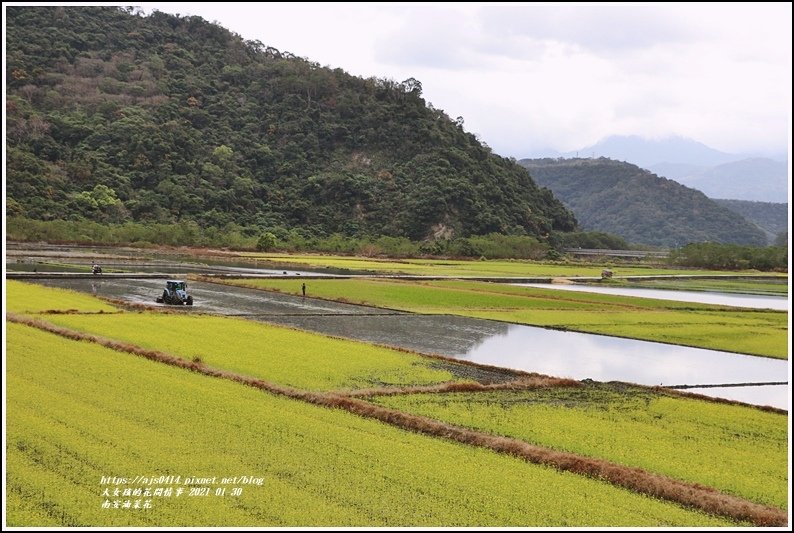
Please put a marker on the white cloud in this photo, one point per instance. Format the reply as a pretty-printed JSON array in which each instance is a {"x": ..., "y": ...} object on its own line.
[
  {"x": 561, "y": 76},
  {"x": 609, "y": 28},
  {"x": 424, "y": 37}
]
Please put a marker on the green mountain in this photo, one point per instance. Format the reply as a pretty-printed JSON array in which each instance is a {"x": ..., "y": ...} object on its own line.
[
  {"x": 770, "y": 217},
  {"x": 114, "y": 116},
  {"x": 623, "y": 199}
]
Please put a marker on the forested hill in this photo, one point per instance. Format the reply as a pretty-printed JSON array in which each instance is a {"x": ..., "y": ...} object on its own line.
[
  {"x": 114, "y": 116},
  {"x": 623, "y": 199},
  {"x": 770, "y": 217}
]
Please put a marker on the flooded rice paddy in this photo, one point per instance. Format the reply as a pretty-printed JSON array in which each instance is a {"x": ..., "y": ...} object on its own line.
[
  {"x": 533, "y": 349},
  {"x": 778, "y": 303}
]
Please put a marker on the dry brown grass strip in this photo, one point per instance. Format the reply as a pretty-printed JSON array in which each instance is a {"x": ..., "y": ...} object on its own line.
[
  {"x": 77, "y": 312},
  {"x": 688, "y": 494},
  {"x": 635, "y": 479},
  {"x": 523, "y": 383}
]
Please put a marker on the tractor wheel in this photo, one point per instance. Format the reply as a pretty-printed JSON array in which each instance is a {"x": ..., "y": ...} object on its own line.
[{"x": 189, "y": 300}]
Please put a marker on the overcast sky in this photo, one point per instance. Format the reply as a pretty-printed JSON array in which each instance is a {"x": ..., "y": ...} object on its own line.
[{"x": 526, "y": 77}]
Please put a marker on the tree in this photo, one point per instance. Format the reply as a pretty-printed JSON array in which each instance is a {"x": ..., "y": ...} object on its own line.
[
  {"x": 266, "y": 242},
  {"x": 222, "y": 154},
  {"x": 412, "y": 85}
]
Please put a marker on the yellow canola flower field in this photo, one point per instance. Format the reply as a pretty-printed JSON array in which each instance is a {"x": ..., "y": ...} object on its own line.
[
  {"x": 737, "y": 449},
  {"x": 78, "y": 412},
  {"x": 32, "y": 298},
  {"x": 281, "y": 355}
]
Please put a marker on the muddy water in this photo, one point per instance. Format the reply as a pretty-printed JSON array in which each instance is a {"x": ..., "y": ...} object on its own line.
[
  {"x": 439, "y": 334},
  {"x": 213, "y": 298},
  {"x": 557, "y": 353},
  {"x": 779, "y": 303}
]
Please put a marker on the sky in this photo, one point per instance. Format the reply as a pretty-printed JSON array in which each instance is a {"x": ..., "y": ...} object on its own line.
[
  {"x": 529, "y": 77},
  {"x": 538, "y": 78}
]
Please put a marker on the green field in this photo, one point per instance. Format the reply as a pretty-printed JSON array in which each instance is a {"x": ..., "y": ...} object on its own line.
[
  {"x": 277, "y": 354},
  {"x": 747, "y": 286},
  {"x": 754, "y": 332},
  {"x": 473, "y": 268},
  {"x": 736, "y": 449},
  {"x": 32, "y": 298},
  {"x": 79, "y": 411}
]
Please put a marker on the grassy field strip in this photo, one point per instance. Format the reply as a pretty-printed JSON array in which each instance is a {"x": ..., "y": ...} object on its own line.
[
  {"x": 760, "y": 287},
  {"x": 736, "y": 449},
  {"x": 438, "y": 296},
  {"x": 33, "y": 298},
  {"x": 310, "y": 361},
  {"x": 634, "y": 479},
  {"x": 760, "y": 334},
  {"x": 450, "y": 267},
  {"x": 553, "y": 296},
  {"x": 753, "y": 332}
]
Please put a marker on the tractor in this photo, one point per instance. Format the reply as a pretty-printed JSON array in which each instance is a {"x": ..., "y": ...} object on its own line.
[{"x": 175, "y": 293}]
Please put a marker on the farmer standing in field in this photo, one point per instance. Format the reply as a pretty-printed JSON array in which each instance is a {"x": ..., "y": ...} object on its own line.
[{"x": 303, "y": 289}]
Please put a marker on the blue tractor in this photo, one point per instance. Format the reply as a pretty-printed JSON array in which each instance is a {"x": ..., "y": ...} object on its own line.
[{"x": 175, "y": 293}]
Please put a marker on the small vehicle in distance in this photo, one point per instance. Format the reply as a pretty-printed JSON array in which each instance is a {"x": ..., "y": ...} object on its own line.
[
  {"x": 175, "y": 293},
  {"x": 96, "y": 269}
]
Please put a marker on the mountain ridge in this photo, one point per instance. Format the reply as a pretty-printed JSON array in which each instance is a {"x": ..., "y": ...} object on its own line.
[
  {"x": 113, "y": 116},
  {"x": 633, "y": 203},
  {"x": 695, "y": 165},
  {"x": 753, "y": 179},
  {"x": 772, "y": 218}
]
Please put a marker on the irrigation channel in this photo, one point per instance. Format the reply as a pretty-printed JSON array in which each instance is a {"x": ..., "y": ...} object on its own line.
[{"x": 557, "y": 353}]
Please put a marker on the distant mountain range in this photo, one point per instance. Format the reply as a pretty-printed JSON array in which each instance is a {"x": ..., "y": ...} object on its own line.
[
  {"x": 625, "y": 200},
  {"x": 757, "y": 179},
  {"x": 717, "y": 174}
]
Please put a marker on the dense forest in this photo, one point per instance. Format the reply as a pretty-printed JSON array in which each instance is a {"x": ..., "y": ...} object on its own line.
[
  {"x": 770, "y": 217},
  {"x": 731, "y": 257},
  {"x": 625, "y": 200},
  {"x": 115, "y": 117}
]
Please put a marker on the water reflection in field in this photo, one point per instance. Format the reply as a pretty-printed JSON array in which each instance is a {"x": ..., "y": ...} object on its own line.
[
  {"x": 557, "y": 353},
  {"x": 779, "y": 303}
]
